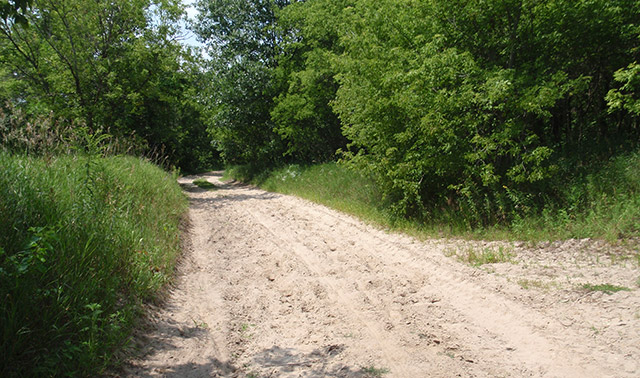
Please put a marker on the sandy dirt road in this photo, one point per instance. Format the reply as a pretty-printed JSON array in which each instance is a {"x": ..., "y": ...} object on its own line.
[{"x": 275, "y": 286}]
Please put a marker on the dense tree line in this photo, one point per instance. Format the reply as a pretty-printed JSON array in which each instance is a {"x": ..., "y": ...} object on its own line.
[
  {"x": 111, "y": 65},
  {"x": 480, "y": 107}
]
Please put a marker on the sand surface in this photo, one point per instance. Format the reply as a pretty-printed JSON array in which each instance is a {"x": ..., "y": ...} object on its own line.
[{"x": 276, "y": 286}]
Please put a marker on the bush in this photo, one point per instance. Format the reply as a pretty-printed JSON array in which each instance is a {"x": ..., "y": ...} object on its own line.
[{"x": 476, "y": 107}]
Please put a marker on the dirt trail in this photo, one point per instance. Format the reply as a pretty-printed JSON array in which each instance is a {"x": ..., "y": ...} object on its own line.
[{"x": 275, "y": 286}]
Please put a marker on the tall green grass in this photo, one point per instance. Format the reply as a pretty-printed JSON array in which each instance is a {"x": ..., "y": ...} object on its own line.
[
  {"x": 343, "y": 189},
  {"x": 83, "y": 242},
  {"x": 330, "y": 184},
  {"x": 602, "y": 203}
]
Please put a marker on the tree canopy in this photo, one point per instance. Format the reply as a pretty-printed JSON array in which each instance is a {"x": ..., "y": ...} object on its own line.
[
  {"x": 481, "y": 107},
  {"x": 115, "y": 65},
  {"x": 477, "y": 106}
]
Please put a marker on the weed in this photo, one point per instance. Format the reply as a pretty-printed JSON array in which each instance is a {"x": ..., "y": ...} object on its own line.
[
  {"x": 487, "y": 255},
  {"x": 204, "y": 184},
  {"x": 201, "y": 324},
  {"x": 527, "y": 284},
  {"x": 373, "y": 371},
  {"x": 605, "y": 288},
  {"x": 245, "y": 330}
]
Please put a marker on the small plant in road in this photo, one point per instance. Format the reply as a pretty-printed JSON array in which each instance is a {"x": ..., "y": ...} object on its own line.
[
  {"x": 475, "y": 257},
  {"x": 605, "y": 288},
  {"x": 204, "y": 184},
  {"x": 373, "y": 371}
]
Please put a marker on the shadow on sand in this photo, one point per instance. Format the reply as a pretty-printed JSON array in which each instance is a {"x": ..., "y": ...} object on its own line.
[{"x": 272, "y": 362}]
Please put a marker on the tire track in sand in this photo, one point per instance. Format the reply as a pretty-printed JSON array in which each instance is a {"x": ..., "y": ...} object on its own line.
[{"x": 277, "y": 286}]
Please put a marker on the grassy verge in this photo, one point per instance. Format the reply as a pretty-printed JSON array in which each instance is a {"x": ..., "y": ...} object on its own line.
[
  {"x": 83, "y": 242},
  {"x": 602, "y": 204},
  {"x": 329, "y": 184}
]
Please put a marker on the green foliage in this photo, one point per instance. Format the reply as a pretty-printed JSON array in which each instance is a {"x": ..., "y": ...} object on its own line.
[
  {"x": 241, "y": 40},
  {"x": 302, "y": 113},
  {"x": 479, "y": 114},
  {"x": 605, "y": 288},
  {"x": 602, "y": 203},
  {"x": 68, "y": 53},
  {"x": 204, "y": 184},
  {"x": 271, "y": 80},
  {"x": 470, "y": 106},
  {"x": 627, "y": 97},
  {"x": 330, "y": 184},
  {"x": 81, "y": 245},
  {"x": 109, "y": 65}
]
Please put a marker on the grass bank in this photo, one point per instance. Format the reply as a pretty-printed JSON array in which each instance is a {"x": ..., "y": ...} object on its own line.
[
  {"x": 329, "y": 184},
  {"x": 83, "y": 242},
  {"x": 603, "y": 203}
]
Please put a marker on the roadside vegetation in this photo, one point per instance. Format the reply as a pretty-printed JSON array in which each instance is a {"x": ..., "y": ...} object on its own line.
[
  {"x": 499, "y": 119},
  {"x": 330, "y": 184},
  {"x": 493, "y": 119},
  {"x": 603, "y": 203},
  {"x": 83, "y": 242},
  {"x": 88, "y": 232}
]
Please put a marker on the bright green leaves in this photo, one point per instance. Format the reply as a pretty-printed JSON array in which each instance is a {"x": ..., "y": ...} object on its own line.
[
  {"x": 539, "y": 99},
  {"x": 627, "y": 97},
  {"x": 471, "y": 106},
  {"x": 407, "y": 109},
  {"x": 446, "y": 100},
  {"x": 399, "y": 104},
  {"x": 111, "y": 65},
  {"x": 240, "y": 37},
  {"x": 302, "y": 114}
]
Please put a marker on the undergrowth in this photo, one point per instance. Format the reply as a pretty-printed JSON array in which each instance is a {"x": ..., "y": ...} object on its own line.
[
  {"x": 83, "y": 242},
  {"x": 602, "y": 203}
]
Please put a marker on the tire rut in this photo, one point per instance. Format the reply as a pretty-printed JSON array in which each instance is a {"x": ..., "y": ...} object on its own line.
[{"x": 276, "y": 286}]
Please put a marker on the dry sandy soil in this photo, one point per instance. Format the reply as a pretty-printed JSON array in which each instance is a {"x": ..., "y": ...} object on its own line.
[{"x": 275, "y": 286}]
